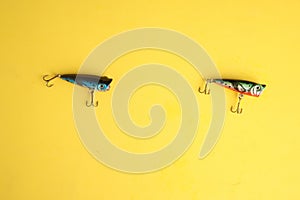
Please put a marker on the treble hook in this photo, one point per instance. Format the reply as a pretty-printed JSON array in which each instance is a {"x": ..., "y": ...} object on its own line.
[
  {"x": 92, "y": 100},
  {"x": 206, "y": 89},
  {"x": 238, "y": 110},
  {"x": 50, "y": 79}
]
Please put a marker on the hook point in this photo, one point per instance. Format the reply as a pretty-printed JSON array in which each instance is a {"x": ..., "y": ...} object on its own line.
[
  {"x": 92, "y": 100},
  {"x": 205, "y": 91},
  {"x": 50, "y": 79},
  {"x": 238, "y": 109}
]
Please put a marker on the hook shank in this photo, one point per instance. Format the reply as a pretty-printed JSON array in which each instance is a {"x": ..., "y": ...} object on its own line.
[
  {"x": 206, "y": 89},
  {"x": 92, "y": 100},
  {"x": 238, "y": 110}
]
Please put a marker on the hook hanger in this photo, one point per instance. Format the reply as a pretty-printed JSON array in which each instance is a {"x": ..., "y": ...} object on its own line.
[
  {"x": 49, "y": 79},
  {"x": 206, "y": 89},
  {"x": 92, "y": 100},
  {"x": 238, "y": 110}
]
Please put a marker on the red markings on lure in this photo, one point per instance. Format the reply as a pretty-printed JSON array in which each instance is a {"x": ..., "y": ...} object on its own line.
[{"x": 240, "y": 86}]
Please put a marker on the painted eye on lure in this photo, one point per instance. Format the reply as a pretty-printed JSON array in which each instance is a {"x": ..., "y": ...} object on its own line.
[
  {"x": 91, "y": 82},
  {"x": 242, "y": 87}
]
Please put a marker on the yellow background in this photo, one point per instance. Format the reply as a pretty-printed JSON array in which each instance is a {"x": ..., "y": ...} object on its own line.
[{"x": 257, "y": 156}]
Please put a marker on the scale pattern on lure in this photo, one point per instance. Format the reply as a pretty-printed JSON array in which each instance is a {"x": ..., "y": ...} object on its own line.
[
  {"x": 240, "y": 86},
  {"x": 92, "y": 82}
]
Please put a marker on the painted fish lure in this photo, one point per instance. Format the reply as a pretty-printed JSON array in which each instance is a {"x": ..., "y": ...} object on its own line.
[
  {"x": 240, "y": 86},
  {"x": 92, "y": 82}
]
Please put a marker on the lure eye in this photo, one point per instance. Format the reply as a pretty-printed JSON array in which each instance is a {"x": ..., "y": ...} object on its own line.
[
  {"x": 101, "y": 86},
  {"x": 257, "y": 88}
]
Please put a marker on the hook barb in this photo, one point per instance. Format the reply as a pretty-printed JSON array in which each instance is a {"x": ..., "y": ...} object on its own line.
[
  {"x": 49, "y": 79},
  {"x": 92, "y": 100},
  {"x": 238, "y": 110}
]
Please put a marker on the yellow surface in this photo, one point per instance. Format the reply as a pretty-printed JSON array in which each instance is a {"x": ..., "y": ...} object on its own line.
[{"x": 257, "y": 156}]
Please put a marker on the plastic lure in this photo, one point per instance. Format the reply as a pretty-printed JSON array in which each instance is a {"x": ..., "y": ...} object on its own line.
[
  {"x": 240, "y": 86},
  {"x": 91, "y": 82}
]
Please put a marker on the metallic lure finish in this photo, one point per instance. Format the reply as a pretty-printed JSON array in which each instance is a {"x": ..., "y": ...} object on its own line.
[
  {"x": 240, "y": 86},
  {"x": 92, "y": 82}
]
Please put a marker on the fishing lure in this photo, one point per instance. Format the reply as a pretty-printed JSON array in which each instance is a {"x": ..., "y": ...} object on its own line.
[
  {"x": 240, "y": 86},
  {"x": 92, "y": 82}
]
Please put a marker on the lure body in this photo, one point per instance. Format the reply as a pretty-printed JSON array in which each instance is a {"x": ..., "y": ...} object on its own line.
[
  {"x": 92, "y": 82},
  {"x": 240, "y": 86}
]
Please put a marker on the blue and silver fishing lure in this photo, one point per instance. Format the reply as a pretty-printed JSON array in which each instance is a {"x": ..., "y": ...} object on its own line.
[{"x": 91, "y": 82}]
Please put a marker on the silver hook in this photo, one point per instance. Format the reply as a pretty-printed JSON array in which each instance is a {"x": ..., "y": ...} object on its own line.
[
  {"x": 206, "y": 89},
  {"x": 92, "y": 100},
  {"x": 50, "y": 79},
  {"x": 238, "y": 110}
]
